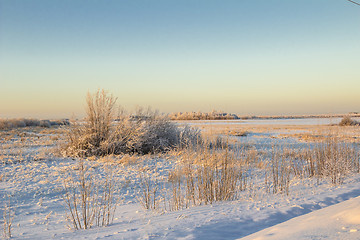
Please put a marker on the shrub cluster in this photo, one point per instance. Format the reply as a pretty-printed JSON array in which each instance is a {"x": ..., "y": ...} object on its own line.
[
  {"x": 347, "y": 121},
  {"x": 23, "y": 122},
  {"x": 214, "y": 115},
  {"x": 144, "y": 132}
]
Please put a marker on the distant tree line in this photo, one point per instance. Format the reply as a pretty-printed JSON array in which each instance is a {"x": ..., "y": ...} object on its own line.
[
  {"x": 214, "y": 115},
  {"x": 220, "y": 115}
]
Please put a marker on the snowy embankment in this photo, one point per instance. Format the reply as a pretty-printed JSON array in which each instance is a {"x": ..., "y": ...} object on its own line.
[{"x": 340, "y": 221}]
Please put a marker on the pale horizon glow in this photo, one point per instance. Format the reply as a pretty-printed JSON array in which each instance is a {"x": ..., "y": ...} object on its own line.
[{"x": 250, "y": 57}]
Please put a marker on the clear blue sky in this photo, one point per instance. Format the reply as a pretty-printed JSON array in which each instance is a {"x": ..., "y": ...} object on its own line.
[{"x": 240, "y": 56}]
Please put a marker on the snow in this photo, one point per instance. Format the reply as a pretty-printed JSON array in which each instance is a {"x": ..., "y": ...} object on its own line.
[
  {"x": 340, "y": 221},
  {"x": 33, "y": 176}
]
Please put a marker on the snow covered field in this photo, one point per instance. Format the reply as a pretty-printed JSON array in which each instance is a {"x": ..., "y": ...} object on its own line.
[{"x": 32, "y": 176}]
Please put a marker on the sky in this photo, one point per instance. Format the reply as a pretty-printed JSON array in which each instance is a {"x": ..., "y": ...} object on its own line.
[{"x": 250, "y": 57}]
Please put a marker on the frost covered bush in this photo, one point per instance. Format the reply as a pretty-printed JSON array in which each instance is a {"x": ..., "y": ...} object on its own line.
[
  {"x": 157, "y": 134},
  {"x": 347, "y": 121},
  {"x": 143, "y": 132},
  {"x": 190, "y": 137},
  {"x": 45, "y": 123},
  {"x": 141, "y": 135},
  {"x": 88, "y": 139}
]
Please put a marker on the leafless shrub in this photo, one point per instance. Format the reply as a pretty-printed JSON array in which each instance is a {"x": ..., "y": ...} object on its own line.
[
  {"x": 8, "y": 124},
  {"x": 80, "y": 198},
  {"x": 176, "y": 199},
  {"x": 99, "y": 112},
  {"x": 300, "y": 167},
  {"x": 88, "y": 139},
  {"x": 330, "y": 158},
  {"x": 107, "y": 203},
  {"x": 92, "y": 138},
  {"x": 8, "y": 217},
  {"x": 190, "y": 137},
  {"x": 205, "y": 176},
  {"x": 148, "y": 192},
  {"x": 61, "y": 122},
  {"x": 280, "y": 171},
  {"x": 334, "y": 159},
  {"x": 31, "y": 122},
  {"x": 45, "y": 123},
  {"x": 347, "y": 121},
  {"x": 88, "y": 203},
  {"x": 158, "y": 134},
  {"x": 144, "y": 132}
]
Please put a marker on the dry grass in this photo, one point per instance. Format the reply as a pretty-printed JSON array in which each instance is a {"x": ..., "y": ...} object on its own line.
[
  {"x": 211, "y": 172},
  {"x": 8, "y": 217},
  {"x": 280, "y": 171},
  {"x": 333, "y": 159},
  {"x": 148, "y": 192},
  {"x": 88, "y": 200},
  {"x": 204, "y": 176}
]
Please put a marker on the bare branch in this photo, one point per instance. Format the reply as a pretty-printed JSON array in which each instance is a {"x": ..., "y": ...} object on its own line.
[{"x": 354, "y": 2}]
